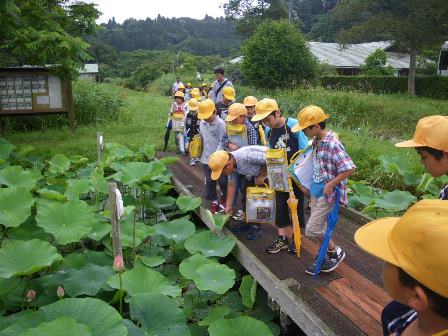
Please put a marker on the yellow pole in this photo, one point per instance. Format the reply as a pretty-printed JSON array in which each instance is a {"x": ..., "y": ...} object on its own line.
[{"x": 292, "y": 204}]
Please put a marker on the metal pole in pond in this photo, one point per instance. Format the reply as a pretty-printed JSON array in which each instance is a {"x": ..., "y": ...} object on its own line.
[
  {"x": 114, "y": 220},
  {"x": 99, "y": 144}
]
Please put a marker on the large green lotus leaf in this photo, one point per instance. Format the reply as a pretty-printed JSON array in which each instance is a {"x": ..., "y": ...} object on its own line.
[
  {"x": 396, "y": 200},
  {"x": 159, "y": 315},
  {"x": 395, "y": 164},
  {"x": 59, "y": 164},
  {"x": 248, "y": 291},
  {"x": 51, "y": 194},
  {"x": 161, "y": 202},
  {"x": 135, "y": 173},
  {"x": 5, "y": 150},
  {"x": 88, "y": 280},
  {"x": 187, "y": 203},
  {"x": 178, "y": 229},
  {"x": 215, "y": 277},
  {"x": 100, "y": 229},
  {"x": 214, "y": 314},
  {"x": 209, "y": 244},
  {"x": 142, "y": 279},
  {"x": 80, "y": 259},
  {"x": 98, "y": 181},
  {"x": 15, "y": 206},
  {"x": 68, "y": 222},
  {"x": 188, "y": 267},
  {"x": 147, "y": 150},
  {"x": 133, "y": 330},
  {"x": 102, "y": 319},
  {"x": 118, "y": 151},
  {"x": 76, "y": 188},
  {"x": 240, "y": 326},
  {"x": 28, "y": 230},
  {"x": 152, "y": 261},
  {"x": 217, "y": 220},
  {"x": 26, "y": 257},
  {"x": 66, "y": 326},
  {"x": 15, "y": 176}
]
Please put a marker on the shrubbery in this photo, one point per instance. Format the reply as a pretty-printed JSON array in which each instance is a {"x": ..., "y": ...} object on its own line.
[{"x": 433, "y": 87}]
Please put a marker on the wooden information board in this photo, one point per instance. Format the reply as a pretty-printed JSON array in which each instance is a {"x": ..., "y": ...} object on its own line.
[{"x": 34, "y": 91}]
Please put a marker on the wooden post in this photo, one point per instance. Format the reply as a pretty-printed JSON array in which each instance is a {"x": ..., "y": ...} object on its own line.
[
  {"x": 114, "y": 221},
  {"x": 123, "y": 90},
  {"x": 99, "y": 144},
  {"x": 70, "y": 107}
]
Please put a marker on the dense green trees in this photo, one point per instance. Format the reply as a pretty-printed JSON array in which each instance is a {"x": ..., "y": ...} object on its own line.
[
  {"x": 376, "y": 64},
  {"x": 277, "y": 56}
]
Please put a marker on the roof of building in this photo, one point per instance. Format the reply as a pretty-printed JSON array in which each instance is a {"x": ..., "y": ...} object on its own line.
[
  {"x": 354, "y": 55},
  {"x": 89, "y": 68}
]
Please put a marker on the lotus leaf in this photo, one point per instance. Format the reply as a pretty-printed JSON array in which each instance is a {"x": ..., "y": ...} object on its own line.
[
  {"x": 135, "y": 173},
  {"x": 159, "y": 315},
  {"x": 25, "y": 150},
  {"x": 26, "y": 257},
  {"x": 15, "y": 206},
  {"x": 209, "y": 245},
  {"x": 395, "y": 201},
  {"x": 66, "y": 326},
  {"x": 102, "y": 319},
  {"x": 118, "y": 151},
  {"x": 67, "y": 222},
  {"x": 248, "y": 291},
  {"x": 187, "y": 203},
  {"x": 59, "y": 164},
  {"x": 27, "y": 231},
  {"x": 395, "y": 164},
  {"x": 5, "y": 150},
  {"x": 100, "y": 229},
  {"x": 15, "y": 176},
  {"x": 152, "y": 261},
  {"x": 88, "y": 280},
  {"x": 80, "y": 259},
  {"x": 75, "y": 188},
  {"x": 147, "y": 150},
  {"x": 161, "y": 202},
  {"x": 240, "y": 326},
  {"x": 142, "y": 231},
  {"x": 133, "y": 330},
  {"x": 188, "y": 267},
  {"x": 214, "y": 277},
  {"x": 214, "y": 314},
  {"x": 51, "y": 195},
  {"x": 141, "y": 280},
  {"x": 167, "y": 160},
  {"x": 217, "y": 220},
  {"x": 177, "y": 229}
]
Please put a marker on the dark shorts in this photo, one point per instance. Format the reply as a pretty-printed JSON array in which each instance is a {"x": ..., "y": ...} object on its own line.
[
  {"x": 210, "y": 185},
  {"x": 282, "y": 218}
]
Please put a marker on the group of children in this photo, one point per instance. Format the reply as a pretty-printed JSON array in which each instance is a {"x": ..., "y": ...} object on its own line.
[{"x": 235, "y": 140}]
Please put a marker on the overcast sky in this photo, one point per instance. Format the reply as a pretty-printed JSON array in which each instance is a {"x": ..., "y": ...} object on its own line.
[{"x": 141, "y": 9}]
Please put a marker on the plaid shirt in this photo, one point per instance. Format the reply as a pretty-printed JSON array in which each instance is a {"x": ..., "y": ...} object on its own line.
[
  {"x": 332, "y": 160},
  {"x": 252, "y": 136},
  {"x": 249, "y": 160},
  {"x": 444, "y": 193}
]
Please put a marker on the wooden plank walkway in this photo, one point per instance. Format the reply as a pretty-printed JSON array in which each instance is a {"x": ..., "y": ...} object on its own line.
[{"x": 347, "y": 301}]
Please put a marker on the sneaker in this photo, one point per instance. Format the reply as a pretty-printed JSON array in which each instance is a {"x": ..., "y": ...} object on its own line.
[
  {"x": 192, "y": 162},
  {"x": 197, "y": 160},
  {"x": 214, "y": 207},
  {"x": 239, "y": 216},
  {"x": 310, "y": 268},
  {"x": 292, "y": 246},
  {"x": 281, "y": 243},
  {"x": 332, "y": 260},
  {"x": 223, "y": 202},
  {"x": 254, "y": 232},
  {"x": 239, "y": 228}
]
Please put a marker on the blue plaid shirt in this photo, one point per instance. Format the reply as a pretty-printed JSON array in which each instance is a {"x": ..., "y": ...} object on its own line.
[{"x": 252, "y": 136}]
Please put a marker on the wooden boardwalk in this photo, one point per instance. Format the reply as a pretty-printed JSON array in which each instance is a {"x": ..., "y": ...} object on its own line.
[{"x": 345, "y": 302}]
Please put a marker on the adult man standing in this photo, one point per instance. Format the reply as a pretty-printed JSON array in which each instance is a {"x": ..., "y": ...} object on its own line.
[
  {"x": 220, "y": 83},
  {"x": 176, "y": 84}
]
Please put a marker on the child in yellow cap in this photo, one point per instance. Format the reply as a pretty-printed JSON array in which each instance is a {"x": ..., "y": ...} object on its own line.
[
  {"x": 431, "y": 142},
  {"x": 176, "y": 121},
  {"x": 415, "y": 268},
  {"x": 191, "y": 126},
  {"x": 228, "y": 98}
]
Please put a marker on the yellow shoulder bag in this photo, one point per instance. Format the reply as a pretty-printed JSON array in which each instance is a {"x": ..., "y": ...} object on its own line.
[
  {"x": 276, "y": 163},
  {"x": 195, "y": 148},
  {"x": 260, "y": 205}
]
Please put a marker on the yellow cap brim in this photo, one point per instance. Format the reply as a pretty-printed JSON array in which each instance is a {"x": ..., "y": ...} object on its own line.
[
  {"x": 216, "y": 174},
  {"x": 231, "y": 118},
  {"x": 261, "y": 116},
  {"x": 193, "y": 108},
  {"x": 297, "y": 128},
  {"x": 408, "y": 144},
  {"x": 374, "y": 238},
  {"x": 204, "y": 115},
  {"x": 229, "y": 97}
]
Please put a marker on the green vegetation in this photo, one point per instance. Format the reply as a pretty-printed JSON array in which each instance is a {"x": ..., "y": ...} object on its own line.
[
  {"x": 375, "y": 64},
  {"x": 63, "y": 271},
  {"x": 277, "y": 56}
]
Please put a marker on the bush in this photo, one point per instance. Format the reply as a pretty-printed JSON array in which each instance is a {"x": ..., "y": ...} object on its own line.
[
  {"x": 375, "y": 64},
  {"x": 277, "y": 56},
  {"x": 433, "y": 87}
]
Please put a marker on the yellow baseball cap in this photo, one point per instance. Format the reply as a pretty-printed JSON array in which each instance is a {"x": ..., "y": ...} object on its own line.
[
  {"x": 195, "y": 94},
  {"x": 181, "y": 86},
  {"x": 431, "y": 132},
  {"x": 264, "y": 108},
  {"x": 250, "y": 101},
  {"x": 206, "y": 109},
  {"x": 229, "y": 93},
  {"x": 308, "y": 116},
  {"x": 414, "y": 242},
  {"x": 236, "y": 110},
  {"x": 179, "y": 94},
  {"x": 193, "y": 104},
  {"x": 204, "y": 84},
  {"x": 216, "y": 163}
]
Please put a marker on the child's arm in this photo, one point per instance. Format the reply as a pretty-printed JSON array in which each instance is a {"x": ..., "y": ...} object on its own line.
[{"x": 328, "y": 189}]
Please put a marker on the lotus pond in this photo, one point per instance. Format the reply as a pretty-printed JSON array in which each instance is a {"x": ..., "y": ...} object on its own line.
[{"x": 57, "y": 254}]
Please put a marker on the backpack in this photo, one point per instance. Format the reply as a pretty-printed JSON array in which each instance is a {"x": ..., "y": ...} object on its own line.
[
  {"x": 237, "y": 134},
  {"x": 195, "y": 148}
]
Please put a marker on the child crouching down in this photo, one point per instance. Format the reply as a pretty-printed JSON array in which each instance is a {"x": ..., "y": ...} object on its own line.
[
  {"x": 191, "y": 126},
  {"x": 415, "y": 268},
  {"x": 331, "y": 168},
  {"x": 177, "y": 115},
  {"x": 213, "y": 133}
]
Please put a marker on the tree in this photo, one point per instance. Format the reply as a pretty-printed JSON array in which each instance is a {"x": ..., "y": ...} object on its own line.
[
  {"x": 46, "y": 32},
  {"x": 413, "y": 25},
  {"x": 375, "y": 64},
  {"x": 277, "y": 56}
]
